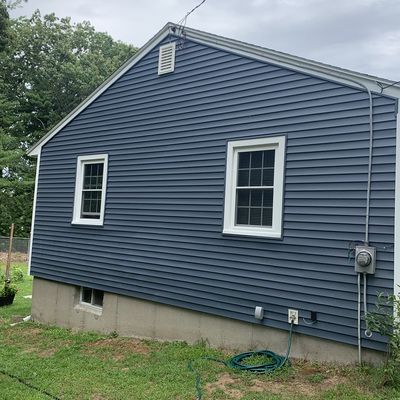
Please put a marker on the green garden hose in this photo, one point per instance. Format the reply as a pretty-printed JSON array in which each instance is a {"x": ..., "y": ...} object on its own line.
[{"x": 236, "y": 362}]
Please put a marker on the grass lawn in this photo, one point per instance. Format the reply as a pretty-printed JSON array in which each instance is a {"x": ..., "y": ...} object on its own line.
[{"x": 90, "y": 366}]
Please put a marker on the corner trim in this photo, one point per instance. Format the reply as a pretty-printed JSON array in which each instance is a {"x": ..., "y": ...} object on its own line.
[
  {"x": 34, "y": 209},
  {"x": 396, "y": 288}
]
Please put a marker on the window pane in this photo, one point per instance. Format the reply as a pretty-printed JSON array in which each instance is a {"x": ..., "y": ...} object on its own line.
[
  {"x": 256, "y": 159},
  {"x": 255, "y": 216},
  {"x": 242, "y": 216},
  {"x": 91, "y": 203},
  {"x": 244, "y": 160},
  {"x": 268, "y": 177},
  {"x": 243, "y": 177},
  {"x": 98, "y": 298},
  {"x": 86, "y": 295},
  {"x": 268, "y": 197},
  {"x": 93, "y": 176},
  {"x": 243, "y": 196},
  {"x": 255, "y": 177},
  {"x": 256, "y": 198},
  {"x": 267, "y": 217},
  {"x": 269, "y": 158}
]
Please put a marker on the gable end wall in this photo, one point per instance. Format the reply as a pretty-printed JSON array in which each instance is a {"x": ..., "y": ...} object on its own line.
[{"x": 166, "y": 140}]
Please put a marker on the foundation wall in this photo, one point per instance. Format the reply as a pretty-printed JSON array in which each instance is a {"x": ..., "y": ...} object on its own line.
[{"x": 58, "y": 304}]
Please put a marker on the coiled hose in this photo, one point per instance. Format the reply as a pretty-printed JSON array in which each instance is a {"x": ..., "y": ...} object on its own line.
[{"x": 236, "y": 362}]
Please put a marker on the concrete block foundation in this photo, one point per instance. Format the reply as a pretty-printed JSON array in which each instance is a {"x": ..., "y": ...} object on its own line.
[{"x": 58, "y": 304}]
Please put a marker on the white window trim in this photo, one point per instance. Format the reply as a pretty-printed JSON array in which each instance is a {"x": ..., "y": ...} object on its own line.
[
  {"x": 82, "y": 160},
  {"x": 234, "y": 147}
]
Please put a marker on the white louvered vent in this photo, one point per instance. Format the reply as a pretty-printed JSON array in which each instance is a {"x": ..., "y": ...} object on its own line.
[{"x": 166, "y": 59}]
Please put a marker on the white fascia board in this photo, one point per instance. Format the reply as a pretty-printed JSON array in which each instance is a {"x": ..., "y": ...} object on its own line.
[
  {"x": 397, "y": 213},
  {"x": 34, "y": 209},
  {"x": 142, "y": 52}
]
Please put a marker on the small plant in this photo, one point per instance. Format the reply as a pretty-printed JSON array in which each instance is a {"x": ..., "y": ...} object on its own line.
[
  {"x": 17, "y": 275},
  {"x": 8, "y": 290},
  {"x": 385, "y": 320}
]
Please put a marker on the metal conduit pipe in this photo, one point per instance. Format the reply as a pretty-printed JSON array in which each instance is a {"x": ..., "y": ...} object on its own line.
[{"x": 367, "y": 212}]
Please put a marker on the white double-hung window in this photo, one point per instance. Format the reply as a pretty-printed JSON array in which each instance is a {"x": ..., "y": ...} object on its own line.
[
  {"x": 90, "y": 189},
  {"x": 254, "y": 187}
]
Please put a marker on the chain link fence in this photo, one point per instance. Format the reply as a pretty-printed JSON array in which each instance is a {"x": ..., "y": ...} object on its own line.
[{"x": 20, "y": 248}]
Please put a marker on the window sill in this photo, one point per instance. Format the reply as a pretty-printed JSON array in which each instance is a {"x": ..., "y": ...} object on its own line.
[
  {"x": 88, "y": 222},
  {"x": 89, "y": 308},
  {"x": 253, "y": 233}
]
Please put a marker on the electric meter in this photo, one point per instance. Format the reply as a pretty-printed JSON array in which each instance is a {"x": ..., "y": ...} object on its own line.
[{"x": 365, "y": 259}]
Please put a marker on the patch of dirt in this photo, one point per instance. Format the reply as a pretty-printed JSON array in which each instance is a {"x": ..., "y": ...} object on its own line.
[
  {"x": 15, "y": 257},
  {"x": 298, "y": 382},
  {"x": 22, "y": 331},
  {"x": 225, "y": 383},
  {"x": 117, "y": 348},
  {"x": 98, "y": 396},
  {"x": 47, "y": 353}
]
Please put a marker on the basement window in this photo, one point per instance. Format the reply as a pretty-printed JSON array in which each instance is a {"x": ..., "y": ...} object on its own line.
[
  {"x": 254, "y": 187},
  {"x": 92, "y": 297},
  {"x": 90, "y": 189}
]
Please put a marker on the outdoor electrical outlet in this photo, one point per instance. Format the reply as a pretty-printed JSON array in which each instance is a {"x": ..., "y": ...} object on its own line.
[
  {"x": 313, "y": 316},
  {"x": 293, "y": 316}
]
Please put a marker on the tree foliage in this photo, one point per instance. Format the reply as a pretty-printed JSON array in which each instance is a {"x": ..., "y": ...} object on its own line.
[
  {"x": 49, "y": 65},
  {"x": 4, "y": 23}
]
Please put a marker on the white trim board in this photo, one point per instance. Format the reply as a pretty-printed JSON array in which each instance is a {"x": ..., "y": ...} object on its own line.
[
  {"x": 34, "y": 210},
  {"x": 397, "y": 213},
  {"x": 340, "y": 75},
  {"x": 234, "y": 147},
  {"x": 77, "y": 219}
]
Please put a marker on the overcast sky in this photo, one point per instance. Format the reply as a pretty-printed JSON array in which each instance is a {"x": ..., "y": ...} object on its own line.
[{"x": 363, "y": 35}]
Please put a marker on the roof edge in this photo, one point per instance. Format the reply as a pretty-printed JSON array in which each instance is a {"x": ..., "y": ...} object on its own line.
[
  {"x": 295, "y": 62},
  {"x": 341, "y": 75},
  {"x": 34, "y": 150}
]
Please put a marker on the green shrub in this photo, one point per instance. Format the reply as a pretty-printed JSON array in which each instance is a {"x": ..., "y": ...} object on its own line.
[
  {"x": 385, "y": 320},
  {"x": 8, "y": 290},
  {"x": 17, "y": 275}
]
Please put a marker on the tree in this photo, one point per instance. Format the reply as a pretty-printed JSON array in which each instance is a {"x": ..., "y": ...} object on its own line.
[
  {"x": 48, "y": 67},
  {"x": 4, "y": 23}
]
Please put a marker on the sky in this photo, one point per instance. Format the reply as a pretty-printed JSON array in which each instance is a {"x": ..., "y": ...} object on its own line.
[{"x": 362, "y": 35}]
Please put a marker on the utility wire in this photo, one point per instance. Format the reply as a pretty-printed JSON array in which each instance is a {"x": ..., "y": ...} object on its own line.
[
  {"x": 182, "y": 22},
  {"x": 383, "y": 87}
]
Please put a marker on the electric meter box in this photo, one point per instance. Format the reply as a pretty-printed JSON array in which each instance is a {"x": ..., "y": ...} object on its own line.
[{"x": 365, "y": 259}]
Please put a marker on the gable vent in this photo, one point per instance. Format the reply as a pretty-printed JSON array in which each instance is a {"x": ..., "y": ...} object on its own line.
[{"x": 166, "y": 59}]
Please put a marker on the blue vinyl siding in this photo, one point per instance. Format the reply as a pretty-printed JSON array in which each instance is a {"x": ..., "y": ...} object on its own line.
[{"x": 166, "y": 140}]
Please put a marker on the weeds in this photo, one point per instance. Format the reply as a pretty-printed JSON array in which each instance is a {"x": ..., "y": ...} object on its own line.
[{"x": 385, "y": 320}]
